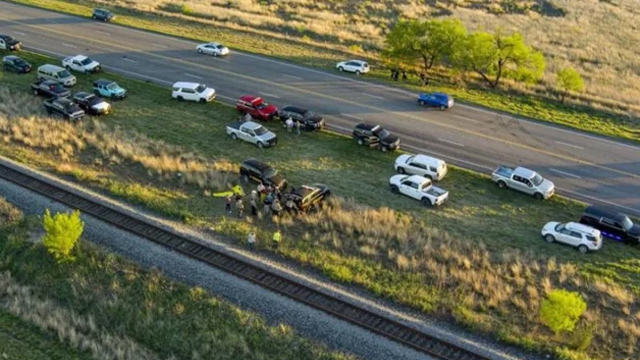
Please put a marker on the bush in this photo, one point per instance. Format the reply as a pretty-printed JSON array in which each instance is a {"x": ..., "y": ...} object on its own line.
[
  {"x": 561, "y": 310},
  {"x": 62, "y": 232}
]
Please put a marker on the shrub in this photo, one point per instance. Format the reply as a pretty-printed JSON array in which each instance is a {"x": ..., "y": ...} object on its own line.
[
  {"x": 561, "y": 310},
  {"x": 62, "y": 232},
  {"x": 569, "y": 79}
]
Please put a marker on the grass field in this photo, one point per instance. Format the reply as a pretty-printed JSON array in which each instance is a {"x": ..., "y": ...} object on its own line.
[
  {"x": 479, "y": 259},
  {"x": 321, "y": 33}
]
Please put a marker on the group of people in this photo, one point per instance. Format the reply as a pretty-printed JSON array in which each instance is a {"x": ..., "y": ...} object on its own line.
[
  {"x": 252, "y": 238},
  {"x": 290, "y": 124},
  {"x": 269, "y": 196},
  {"x": 395, "y": 73}
]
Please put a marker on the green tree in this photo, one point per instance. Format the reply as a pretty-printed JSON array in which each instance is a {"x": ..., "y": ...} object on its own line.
[
  {"x": 494, "y": 56},
  {"x": 561, "y": 310},
  {"x": 62, "y": 232},
  {"x": 429, "y": 41},
  {"x": 568, "y": 79}
]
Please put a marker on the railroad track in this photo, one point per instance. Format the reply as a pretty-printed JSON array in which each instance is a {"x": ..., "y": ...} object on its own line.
[{"x": 361, "y": 317}]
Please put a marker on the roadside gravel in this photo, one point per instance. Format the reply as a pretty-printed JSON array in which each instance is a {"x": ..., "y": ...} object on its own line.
[{"x": 276, "y": 309}]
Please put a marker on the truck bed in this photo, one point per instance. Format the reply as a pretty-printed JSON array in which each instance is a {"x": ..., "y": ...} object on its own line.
[
  {"x": 504, "y": 171},
  {"x": 236, "y": 125}
]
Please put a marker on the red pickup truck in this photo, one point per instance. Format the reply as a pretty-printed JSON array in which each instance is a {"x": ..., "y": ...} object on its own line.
[{"x": 256, "y": 107}]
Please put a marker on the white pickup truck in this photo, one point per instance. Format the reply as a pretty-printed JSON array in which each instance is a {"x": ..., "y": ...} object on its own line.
[
  {"x": 252, "y": 132},
  {"x": 419, "y": 188},
  {"x": 81, "y": 64},
  {"x": 523, "y": 180}
]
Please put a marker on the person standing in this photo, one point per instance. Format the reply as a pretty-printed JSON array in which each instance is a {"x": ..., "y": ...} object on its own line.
[
  {"x": 289, "y": 123},
  {"x": 227, "y": 204},
  {"x": 251, "y": 240},
  {"x": 404, "y": 75},
  {"x": 298, "y": 124},
  {"x": 276, "y": 208},
  {"x": 240, "y": 207},
  {"x": 254, "y": 206},
  {"x": 277, "y": 237},
  {"x": 261, "y": 191}
]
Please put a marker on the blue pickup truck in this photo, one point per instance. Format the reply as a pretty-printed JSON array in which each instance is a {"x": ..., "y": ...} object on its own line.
[{"x": 441, "y": 100}]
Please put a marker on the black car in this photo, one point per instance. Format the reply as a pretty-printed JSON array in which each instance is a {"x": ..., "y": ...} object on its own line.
[
  {"x": 15, "y": 64},
  {"x": 611, "y": 223},
  {"x": 252, "y": 169},
  {"x": 306, "y": 197},
  {"x": 50, "y": 88},
  {"x": 92, "y": 104},
  {"x": 63, "y": 108},
  {"x": 308, "y": 119},
  {"x": 375, "y": 136},
  {"x": 9, "y": 43},
  {"x": 103, "y": 15}
]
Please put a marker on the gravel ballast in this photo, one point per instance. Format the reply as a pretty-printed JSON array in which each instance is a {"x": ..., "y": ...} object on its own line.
[{"x": 276, "y": 309}]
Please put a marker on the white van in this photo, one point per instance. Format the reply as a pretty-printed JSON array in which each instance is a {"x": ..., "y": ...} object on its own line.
[
  {"x": 192, "y": 92},
  {"x": 57, "y": 74},
  {"x": 423, "y": 165}
]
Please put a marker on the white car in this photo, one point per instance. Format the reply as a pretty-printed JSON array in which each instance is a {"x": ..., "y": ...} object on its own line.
[
  {"x": 81, "y": 63},
  {"x": 419, "y": 188},
  {"x": 423, "y": 165},
  {"x": 354, "y": 66},
  {"x": 213, "y": 48},
  {"x": 192, "y": 92},
  {"x": 581, "y": 236}
]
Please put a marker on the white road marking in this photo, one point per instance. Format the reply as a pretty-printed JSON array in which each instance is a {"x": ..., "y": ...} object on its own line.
[
  {"x": 450, "y": 142},
  {"x": 565, "y": 173},
  {"x": 569, "y": 145},
  {"x": 45, "y": 51},
  {"x": 293, "y": 77},
  {"x": 69, "y": 45},
  {"x": 103, "y": 32},
  {"x": 269, "y": 95},
  {"x": 19, "y": 33},
  {"x": 192, "y": 76},
  {"x": 159, "y": 45},
  {"x": 465, "y": 118},
  {"x": 351, "y": 116},
  {"x": 373, "y": 96},
  {"x": 129, "y": 60}
]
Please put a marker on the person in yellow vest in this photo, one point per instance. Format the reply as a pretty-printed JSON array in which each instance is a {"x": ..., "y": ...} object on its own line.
[{"x": 277, "y": 236}]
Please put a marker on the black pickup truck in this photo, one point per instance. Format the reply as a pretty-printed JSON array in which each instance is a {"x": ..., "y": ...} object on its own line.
[
  {"x": 63, "y": 108},
  {"x": 50, "y": 88},
  {"x": 375, "y": 136}
]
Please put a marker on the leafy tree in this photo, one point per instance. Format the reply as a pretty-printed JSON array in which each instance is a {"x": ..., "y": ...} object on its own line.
[
  {"x": 568, "y": 79},
  {"x": 561, "y": 310},
  {"x": 62, "y": 232},
  {"x": 494, "y": 56},
  {"x": 430, "y": 41}
]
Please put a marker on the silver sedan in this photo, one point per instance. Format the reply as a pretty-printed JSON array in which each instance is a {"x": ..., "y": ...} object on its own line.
[{"x": 214, "y": 49}]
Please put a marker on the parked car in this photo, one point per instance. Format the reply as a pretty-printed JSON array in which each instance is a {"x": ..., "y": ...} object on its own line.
[
  {"x": 192, "y": 92},
  {"x": 611, "y": 223},
  {"x": 9, "y": 43},
  {"x": 81, "y": 63},
  {"x": 91, "y": 104},
  {"x": 258, "y": 171},
  {"x": 423, "y": 165},
  {"x": 584, "y": 238},
  {"x": 353, "y": 66},
  {"x": 252, "y": 132},
  {"x": 308, "y": 119},
  {"x": 440, "y": 100},
  {"x": 256, "y": 107},
  {"x": 523, "y": 180},
  {"x": 103, "y": 15},
  {"x": 15, "y": 64},
  {"x": 50, "y": 88},
  {"x": 56, "y": 73},
  {"x": 64, "y": 108},
  {"x": 109, "y": 89},
  {"x": 306, "y": 197},
  {"x": 419, "y": 188},
  {"x": 213, "y": 48},
  {"x": 375, "y": 136}
]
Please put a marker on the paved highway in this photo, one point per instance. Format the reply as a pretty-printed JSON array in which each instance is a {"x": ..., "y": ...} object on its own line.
[{"x": 583, "y": 166}]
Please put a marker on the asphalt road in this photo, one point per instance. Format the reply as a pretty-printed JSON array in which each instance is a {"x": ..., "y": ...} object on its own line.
[{"x": 583, "y": 166}]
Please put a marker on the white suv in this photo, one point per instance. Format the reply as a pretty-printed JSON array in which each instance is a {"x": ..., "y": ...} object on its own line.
[
  {"x": 423, "y": 165},
  {"x": 583, "y": 237},
  {"x": 192, "y": 92},
  {"x": 354, "y": 66}
]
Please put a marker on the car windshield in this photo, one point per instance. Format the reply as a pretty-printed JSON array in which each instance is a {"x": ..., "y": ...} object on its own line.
[
  {"x": 220, "y": 47},
  {"x": 63, "y": 74},
  {"x": 113, "y": 86},
  {"x": 262, "y": 105},
  {"x": 308, "y": 114},
  {"x": 627, "y": 224},
  {"x": 261, "y": 130},
  {"x": 20, "y": 62},
  {"x": 381, "y": 133},
  {"x": 560, "y": 227},
  {"x": 8, "y": 39},
  {"x": 201, "y": 88},
  {"x": 270, "y": 172},
  {"x": 86, "y": 61},
  {"x": 537, "y": 179}
]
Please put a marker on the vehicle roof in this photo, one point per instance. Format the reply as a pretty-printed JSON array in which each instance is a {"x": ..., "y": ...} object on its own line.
[
  {"x": 83, "y": 94},
  {"x": 64, "y": 101},
  {"x": 356, "y": 60},
  {"x": 251, "y": 98},
  {"x": 294, "y": 109},
  {"x": 6, "y": 36},
  {"x": 604, "y": 211},
  {"x": 12, "y": 57},
  {"x": 51, "y": 66},
  {"x": 79, "y": 57},
  {"x": 50, "y": 82},
  {"x": 262, "y": 166},
  {"x": 186, "y": 84},
  {"x": 251, "y": 125},
  {"x": 440, "y": 94},
  {"x": 213, "y": 43},
  {"x": 425, "y": 159},
  {"x": 582, "y": 228},
  {"x": 102, "y": 9},
  {"x": 417, "y": 179},
  {"x": 366, "y": 126},
  {"x": 524, "y": 172}
]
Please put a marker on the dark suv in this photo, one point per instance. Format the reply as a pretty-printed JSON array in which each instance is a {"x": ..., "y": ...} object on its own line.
[
  {"x": 103, "y": 15},
  {"x": 375, "y": 136},
  {"x": 308, "y": 119},
  {"x": 252, "y": 169},
  {"x": 611, "y": 223},
  {"x": 16, "y": 64},
  {"x": 306, "y": 197}
]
